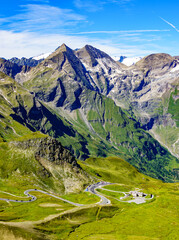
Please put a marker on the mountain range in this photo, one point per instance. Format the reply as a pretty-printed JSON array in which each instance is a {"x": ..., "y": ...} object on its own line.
[{"x": 96, "y": 106}]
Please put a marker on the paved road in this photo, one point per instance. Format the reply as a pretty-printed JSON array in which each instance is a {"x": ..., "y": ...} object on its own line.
[
  {"x": 91, "y": 188},
  {"x": 33, "y": 198}
]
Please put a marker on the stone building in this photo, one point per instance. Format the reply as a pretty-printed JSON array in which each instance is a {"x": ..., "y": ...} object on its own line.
[{"x": 137, "y": 194}]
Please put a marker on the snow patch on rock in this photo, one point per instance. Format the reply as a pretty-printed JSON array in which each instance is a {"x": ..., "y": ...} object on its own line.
[
  {"x": 176, "y": 68},
  {"x": 131, "y": 61},
  {"x": 41, "y": 56}
]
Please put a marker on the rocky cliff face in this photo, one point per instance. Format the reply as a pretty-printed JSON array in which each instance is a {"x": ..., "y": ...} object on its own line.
[
  {"x": 48, "y": 148},
  {"x": 101, "y": 68},
  {"x": 9, "y": 68},
  {"x": 57, "y": 162}
]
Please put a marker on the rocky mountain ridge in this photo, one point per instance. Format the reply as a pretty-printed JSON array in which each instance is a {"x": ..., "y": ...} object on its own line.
[
  {"x": 31, "y": 62},
  {"x": 142, "y": 86}
]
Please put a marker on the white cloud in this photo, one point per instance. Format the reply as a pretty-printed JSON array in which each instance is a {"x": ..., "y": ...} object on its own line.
[
  {"x": 27, "y": 44},
  {"x": 42, "y": 18},
  {"x": 31, "y": 44},
  {"x": 169, "y": 24}
]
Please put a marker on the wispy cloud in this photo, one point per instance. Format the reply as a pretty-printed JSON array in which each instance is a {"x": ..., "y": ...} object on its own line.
[
  {"x": 88, "y": 5},
  {"x": 124, "y": 31},
  {"x": 170, "y": 24},
  {"x": 42, "y": 18},
  {"x": 41, "y": 1},
  {"x": 93, "y": 6},
  {"x": 30, "y": 44}
]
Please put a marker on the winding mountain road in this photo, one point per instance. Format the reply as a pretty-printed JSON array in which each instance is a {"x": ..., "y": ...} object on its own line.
[
  {"x": 91, "y": 189},
  {"x": 33, "y": 198}
]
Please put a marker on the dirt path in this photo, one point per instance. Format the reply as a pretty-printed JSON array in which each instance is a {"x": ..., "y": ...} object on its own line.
[{"x": 31, "y": 224}]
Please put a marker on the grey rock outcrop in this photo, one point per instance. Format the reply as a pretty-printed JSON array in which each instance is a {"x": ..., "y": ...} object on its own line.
[
  {"x": 48, "y": 148},
  {"x": 57, "y": 163}
]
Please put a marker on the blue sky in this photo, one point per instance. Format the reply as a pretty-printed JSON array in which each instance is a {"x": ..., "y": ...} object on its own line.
[{"x": 118, "y": 27}]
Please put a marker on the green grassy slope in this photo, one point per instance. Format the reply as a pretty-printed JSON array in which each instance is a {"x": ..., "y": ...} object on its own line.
[
  {"x": 125, "y": 134},
  {"x": 11, "y": 96},
  {"x": 168, "y": 135},
  {"x": 114, "y": 169},
  {"x": 156, "y": 219}
]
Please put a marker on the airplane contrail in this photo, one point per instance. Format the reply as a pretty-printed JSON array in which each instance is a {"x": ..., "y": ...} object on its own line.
[
  {"x": 170, "y": 24},
  {"x": 125, "y": 31}
]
